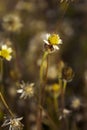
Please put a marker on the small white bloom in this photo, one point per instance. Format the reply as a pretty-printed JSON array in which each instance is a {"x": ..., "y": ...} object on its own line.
[
  {"x": 76, "y": 103},
  {"x": 12, "y": 23},
  {"x": 26, "y": 90},
  {"x": 52, "y": 41},
  {"x": 14, "y": 123}
]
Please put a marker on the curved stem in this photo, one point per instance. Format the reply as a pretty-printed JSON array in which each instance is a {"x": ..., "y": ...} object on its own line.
[{"x": 5, "y": 104}]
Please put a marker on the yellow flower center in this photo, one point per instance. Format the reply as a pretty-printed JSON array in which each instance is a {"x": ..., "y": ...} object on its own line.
[
  {"x": 53, "y": 39},
  {"x": 4, "y": 53},
  {"x": 29, "y": 90}
]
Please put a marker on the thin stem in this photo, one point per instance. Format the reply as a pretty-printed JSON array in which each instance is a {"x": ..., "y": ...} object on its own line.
[
  {"x": 63, "y": 84},
  {"x": 43, "y": 79},
  {"x": 5, "y": 104},
  {"x": 1, "y": 69},
  {"x": 56, "y": 105},
  {"x": 42, "y": 66}
]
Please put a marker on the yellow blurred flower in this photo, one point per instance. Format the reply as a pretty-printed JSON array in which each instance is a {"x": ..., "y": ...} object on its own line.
[
  {"x": 5, "y": 52},
  {"x": 54, "y": 89}
]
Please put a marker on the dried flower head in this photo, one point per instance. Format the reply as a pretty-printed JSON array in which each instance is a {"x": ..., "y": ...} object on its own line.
[
  {"x": 5, "y": 52},
  {"x": 76, "y": 103},
  {"x": 67, "y": 73},
  {"x": 12, "y": 23},
  {"x": 14, "y": 123},
  {"x": 27, "y": 90},
  {"x": 52, "y": 41}
]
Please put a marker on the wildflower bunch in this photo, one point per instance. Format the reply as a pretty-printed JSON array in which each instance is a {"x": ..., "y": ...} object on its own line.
[{"x": 5, "y": 52}]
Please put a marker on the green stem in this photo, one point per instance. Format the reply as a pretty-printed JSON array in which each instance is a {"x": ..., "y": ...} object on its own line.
[
  {"x": 64, "y": 86},
  {"x": 56, "y": 105},
  {"x": 42, "y": 66},
  {"x": 43, "y": 78},
  {"x": 5, "y": 104}
]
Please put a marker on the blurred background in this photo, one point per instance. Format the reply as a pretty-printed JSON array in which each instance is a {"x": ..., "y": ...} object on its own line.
[{"x": 34, "y": 19}]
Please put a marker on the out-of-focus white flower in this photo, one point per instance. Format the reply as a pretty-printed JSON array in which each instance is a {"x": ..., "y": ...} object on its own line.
[
  {"x": 76, "y": 103},
  {"x": 52, "y": 41},
  {"x": 26, "y": 90},
  {"x": 12, "y": 23},
  {"x": 14, "y": 123}
]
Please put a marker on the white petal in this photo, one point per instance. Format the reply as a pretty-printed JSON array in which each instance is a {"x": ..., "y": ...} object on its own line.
[
  {"x": 66, "y": 111},
  {"x": 8, "y": 58},
  {"x": 19, "y": 90},
  {"x": 47, "y": 36},
  {"x": 60, "y": 117},
  {"x": 9, "y": 50},
  {"x": 4, "y": 47},
  {"x": 55, "y": 47},
  {"x": 5, "y": 124},
  {"x": 32, "y": 84},
  {"x": 19, "y": 118},
  {"x": 10, "y": 128},
  {"x": 22, "y": 95},
  {"x": 60, "y": 41},
  {"x": 46, "y": 42}
]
